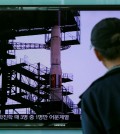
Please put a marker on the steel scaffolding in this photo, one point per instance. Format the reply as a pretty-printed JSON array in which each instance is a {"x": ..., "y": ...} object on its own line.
[{"x": 25, "y": 88}]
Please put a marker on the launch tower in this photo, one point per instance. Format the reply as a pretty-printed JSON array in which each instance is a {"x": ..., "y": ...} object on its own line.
[{"x": 33, "y": 87}]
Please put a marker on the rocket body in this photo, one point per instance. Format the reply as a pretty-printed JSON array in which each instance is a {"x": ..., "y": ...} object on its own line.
[{"x": 55, "y": 70}]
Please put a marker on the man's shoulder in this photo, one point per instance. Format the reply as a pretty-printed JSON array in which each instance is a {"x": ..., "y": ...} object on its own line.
[
  {"x": 93, "y": 86},
  {"x": 101, "y": 82},
  {"x": 95, "y": 83}
]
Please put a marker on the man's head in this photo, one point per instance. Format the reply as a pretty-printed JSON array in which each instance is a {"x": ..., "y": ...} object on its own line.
[{"x": 105, "y": 38}]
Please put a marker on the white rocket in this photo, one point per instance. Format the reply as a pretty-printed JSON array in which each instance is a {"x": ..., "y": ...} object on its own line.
[{"x": 55, "y": 71}]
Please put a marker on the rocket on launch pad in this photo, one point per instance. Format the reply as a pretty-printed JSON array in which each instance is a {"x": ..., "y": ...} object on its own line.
[{"x": 55, "y": 70}]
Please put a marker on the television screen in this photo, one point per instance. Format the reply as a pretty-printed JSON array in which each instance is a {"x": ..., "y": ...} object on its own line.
[{"x": 46, "y": 63}]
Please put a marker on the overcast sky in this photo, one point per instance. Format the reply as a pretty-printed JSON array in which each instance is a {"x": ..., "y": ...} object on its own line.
[{"x": 78, "y": 60}]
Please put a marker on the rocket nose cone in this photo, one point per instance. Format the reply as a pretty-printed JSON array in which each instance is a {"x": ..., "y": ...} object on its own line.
[{"x": 55, "y": 31}]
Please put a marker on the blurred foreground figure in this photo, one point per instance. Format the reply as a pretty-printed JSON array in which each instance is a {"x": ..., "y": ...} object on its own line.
[{"x": 100, "y": 103}]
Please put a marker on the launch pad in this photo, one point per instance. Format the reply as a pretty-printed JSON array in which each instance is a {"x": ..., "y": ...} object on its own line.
[{"x": 27, "y": 87}]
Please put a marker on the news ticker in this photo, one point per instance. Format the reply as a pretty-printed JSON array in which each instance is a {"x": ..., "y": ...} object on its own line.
[
  {"x": 38, "y": 118},
  {"x": 28, "y": 121}
]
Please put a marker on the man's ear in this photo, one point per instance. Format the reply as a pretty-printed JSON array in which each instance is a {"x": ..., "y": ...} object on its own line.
[{"x": 98, "y": 55}]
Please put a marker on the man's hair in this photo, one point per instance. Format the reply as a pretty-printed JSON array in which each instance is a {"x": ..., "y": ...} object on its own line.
[
  {"x": 105, "y": 37},
  {"x": 110, "y": 53}
]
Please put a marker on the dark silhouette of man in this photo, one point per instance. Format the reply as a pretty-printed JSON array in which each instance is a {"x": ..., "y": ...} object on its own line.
[{"x": 100, "y": 103}]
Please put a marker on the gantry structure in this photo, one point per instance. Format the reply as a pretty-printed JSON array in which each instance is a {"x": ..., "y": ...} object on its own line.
[{"x": 26, "y": 86}]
